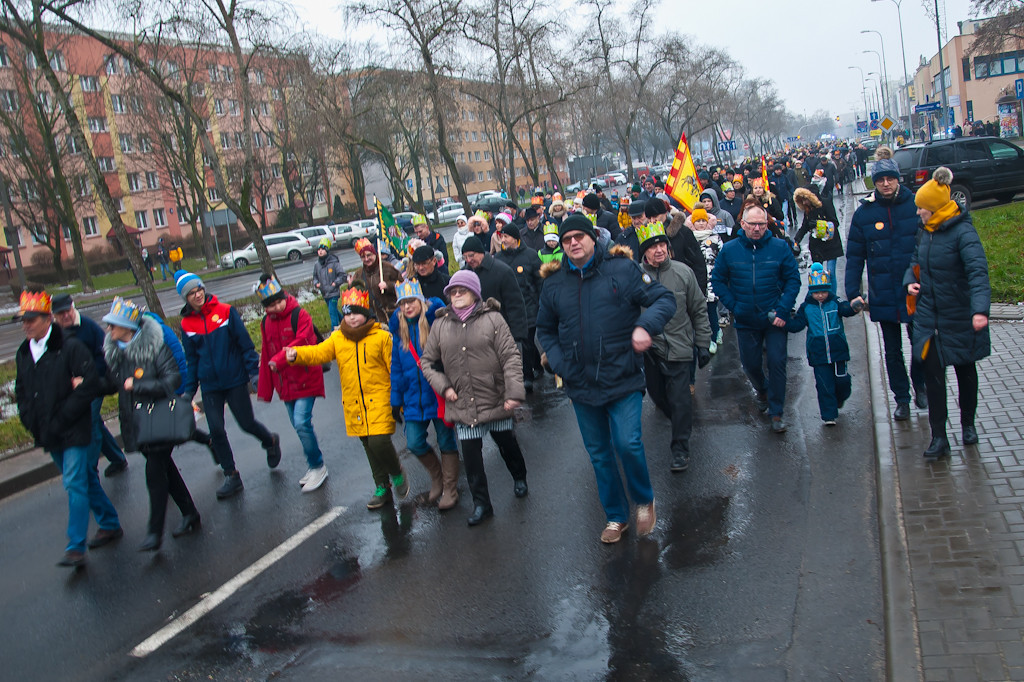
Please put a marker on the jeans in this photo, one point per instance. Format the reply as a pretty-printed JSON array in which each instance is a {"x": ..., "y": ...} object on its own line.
[
  {"x": 165, "y": 269},
  {"x": 755, "y": 345},
  {"x": 82, "y": 483},
  {"x": 713, "y": 318},
  {"x": 300, "y": 413},
  {"x": 416, "y": 436},
  {"x": 614, "y": 429},
  {"x": 473, "y": 459},
  {"x": 830, "y": 267},
  {"x": 237, "y": 400},
  {"x": 967, "y": 392},
  {"x": 103, "y": 442},
  {"x": 667, "y": 386},
  {"x": 834, "y": 386},
  {"x": 896, "y": 366},
  {"x": 332, "y": 310},
  {"x": 163, "y": 479}
]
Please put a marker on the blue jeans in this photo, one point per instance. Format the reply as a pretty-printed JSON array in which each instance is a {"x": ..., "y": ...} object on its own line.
[
  {"x": 300, "y": 412},
  {"x": 896, "y": 366},
  {"x": 614, "y": 429},
  {"x": 165, "y": 269},
  {"x": 830, "y": 267},
  {"x": 238, "y": 401},
  {"x": 82, "y": 483},
  {"x": 754, "y": 346},
  {"x": 834, "y": 386},
  {"x": 332, "y": 310},
  {"x": 416, "y": 436},
  {"x": 102, "y": 440}
]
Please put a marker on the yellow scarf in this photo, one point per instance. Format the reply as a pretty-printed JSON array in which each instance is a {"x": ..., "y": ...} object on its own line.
[{"x": 950, "y": 210}]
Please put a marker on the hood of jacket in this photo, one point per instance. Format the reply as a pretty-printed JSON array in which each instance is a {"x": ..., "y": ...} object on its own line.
[
  {"x": 142, "y": 349},
  {"x": 714, "y": 199},
  {"x": 615, "y": 251}
]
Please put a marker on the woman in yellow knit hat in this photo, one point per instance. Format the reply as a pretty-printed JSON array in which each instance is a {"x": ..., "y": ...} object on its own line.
[{"x": 948, "y": 281}]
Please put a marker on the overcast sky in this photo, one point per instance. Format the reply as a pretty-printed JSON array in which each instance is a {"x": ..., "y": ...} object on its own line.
[{"x": 805, "y": 46}]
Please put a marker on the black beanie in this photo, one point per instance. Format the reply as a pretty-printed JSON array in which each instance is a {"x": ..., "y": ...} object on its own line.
[
  {"x": 655, "y": 207},
  {"x": 422, "y": 254},
  {"x": 592, "y": 202},
  {"x": 636, "y": 209},
  {"x": 512, "y": 230},
  {"x": 577, "y": 222},
  {"x": 474, "y": 245}
]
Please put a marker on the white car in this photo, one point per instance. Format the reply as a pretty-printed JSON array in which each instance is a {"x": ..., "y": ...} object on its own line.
[
  {"x": 346, "y": 234},
  {"x": 284, "y": 246},
  {"x": 315, "y": 233},
  {"x": 447, "y": 213}
]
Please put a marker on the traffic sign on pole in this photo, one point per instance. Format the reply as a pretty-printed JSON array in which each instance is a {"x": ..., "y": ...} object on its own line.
[
  {"x": 929, "y": 106},
  {"x": 873, "y": 116},
  {"x": 887, "y": 124},
  {"x": 1019, "y": 84}
]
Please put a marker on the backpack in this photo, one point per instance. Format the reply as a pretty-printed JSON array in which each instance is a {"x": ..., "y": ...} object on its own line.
[{"x": 295, "y": 330}]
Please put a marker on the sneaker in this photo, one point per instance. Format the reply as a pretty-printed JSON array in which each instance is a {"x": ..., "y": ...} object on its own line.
[
  {"x": 381, "y": 496},
  {"x": 401, "y": 485},
  {"x": 778, "y": 426},
  {"x": 762, "y": 401},
  {"x": 723, "y": 321},
  {"x": 830, "y": 422},
  {"x": 720, "y": 337},
  {"x": 73, "y": 559},
  {"x": 274, "y": 451},
  {"x": 116, "y": 467},
  {"x": 104, "y": 536},
  {"x": 645, "y": 519},
  {"x": 612, "y": 532},
  {"x": 305, "y": 477},
  {"x": 316, "y": 480},
  {"x": 231, "y": 486},
  {"x": 712, "y": 347},
  {"x": 680, "y": 462}
]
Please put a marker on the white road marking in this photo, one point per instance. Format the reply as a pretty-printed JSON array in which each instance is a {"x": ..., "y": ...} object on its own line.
[{"x": 214, "y": 599}]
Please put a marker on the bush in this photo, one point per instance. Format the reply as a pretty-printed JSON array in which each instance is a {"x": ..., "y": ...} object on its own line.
[{"x": 288, "y": 218}]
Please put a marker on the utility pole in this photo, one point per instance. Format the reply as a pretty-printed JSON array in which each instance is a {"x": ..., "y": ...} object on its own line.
[{"x": 942, "y": 71}]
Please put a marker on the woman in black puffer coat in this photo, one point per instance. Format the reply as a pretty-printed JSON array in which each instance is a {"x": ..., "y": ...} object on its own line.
[
  {"x": 825, "y": 244},
  {"x": 949, "y": 277},
  {"x": 142, "y": 367}
]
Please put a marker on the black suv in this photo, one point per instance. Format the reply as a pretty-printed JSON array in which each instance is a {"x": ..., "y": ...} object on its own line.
[{"x": 983, "y": 167}]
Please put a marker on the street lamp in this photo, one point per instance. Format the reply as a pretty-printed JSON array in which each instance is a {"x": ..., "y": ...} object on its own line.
[
  {"x": 874, "y": 93},
  {"x": 885, "y": 68},
  {"x": 903, "y": 52},
  {"x": 862, "y": 91},
  {"x": 881, "y": 80}
]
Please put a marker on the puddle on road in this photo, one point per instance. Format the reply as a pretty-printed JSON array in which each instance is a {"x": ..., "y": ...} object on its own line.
[{"x": 697, "y": 532}]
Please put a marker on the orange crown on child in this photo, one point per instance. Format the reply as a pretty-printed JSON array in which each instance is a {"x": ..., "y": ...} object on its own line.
[{"x": 355, "y": 296}]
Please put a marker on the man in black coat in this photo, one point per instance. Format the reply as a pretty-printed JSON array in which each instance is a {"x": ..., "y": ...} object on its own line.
[
  {"x": 56, "y": 382},
  {"x": 497, "y": 281},
  {"x": 88, "y": 332},
  {"x": 605, "y": 219},
  {"x": 533, "y": 236},
  {"x": 431, "y": 278},
  {"x": 627, "y": 237},
  {"x": 525, "y": 265}
]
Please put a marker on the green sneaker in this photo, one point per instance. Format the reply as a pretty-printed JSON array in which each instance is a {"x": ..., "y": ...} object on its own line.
[
  {"x": 381, "y": 496},
  {"x": 401, "y": 485}
]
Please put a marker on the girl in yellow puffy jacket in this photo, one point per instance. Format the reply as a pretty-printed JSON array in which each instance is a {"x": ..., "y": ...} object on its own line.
[{"x": 362, "y": 349}]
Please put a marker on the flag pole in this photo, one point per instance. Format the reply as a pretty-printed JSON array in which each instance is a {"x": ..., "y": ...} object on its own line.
[{"x": 380, "y": 261}]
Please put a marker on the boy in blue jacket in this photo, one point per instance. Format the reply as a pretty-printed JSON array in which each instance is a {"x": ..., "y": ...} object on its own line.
[{"x": 828, "y": 353}]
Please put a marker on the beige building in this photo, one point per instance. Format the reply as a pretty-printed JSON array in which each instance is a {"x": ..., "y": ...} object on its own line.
[{"x": 979, "y": 88}]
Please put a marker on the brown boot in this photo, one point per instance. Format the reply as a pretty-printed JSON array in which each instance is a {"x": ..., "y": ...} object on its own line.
[
  {"x": 432, "y": 464},
  {"x": 450, "y": 477}
]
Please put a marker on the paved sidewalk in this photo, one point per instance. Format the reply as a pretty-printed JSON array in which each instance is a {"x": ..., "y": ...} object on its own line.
[{"x": 962, "y": 521}]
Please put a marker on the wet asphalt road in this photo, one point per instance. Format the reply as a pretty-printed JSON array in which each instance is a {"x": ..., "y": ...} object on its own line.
[{"x": 763, "y": 565}]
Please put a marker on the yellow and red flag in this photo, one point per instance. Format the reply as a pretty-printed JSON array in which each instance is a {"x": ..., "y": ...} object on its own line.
[
  {"x": 682, "y": 183},
  {"x": 764, "y": 173}
]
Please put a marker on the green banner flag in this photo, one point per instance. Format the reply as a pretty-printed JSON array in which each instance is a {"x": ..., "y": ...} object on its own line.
[{"x": 389, "y": 231}]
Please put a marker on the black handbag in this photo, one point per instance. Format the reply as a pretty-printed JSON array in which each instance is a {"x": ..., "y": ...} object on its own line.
[{"x": 169, "y": 421}]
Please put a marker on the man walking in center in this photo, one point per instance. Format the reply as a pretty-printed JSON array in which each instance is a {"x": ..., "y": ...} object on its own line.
[{"x": 593, "y": 328}]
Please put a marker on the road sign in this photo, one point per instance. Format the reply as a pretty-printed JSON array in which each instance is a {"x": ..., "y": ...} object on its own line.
[
  {"x": 887, "y": 124},
  {"x": 727, "y": 146},
  {"x": 873, "y": 116},
  {"x": 1019, "y": 84},
  {"x": 925, "y": 108},
  {"x": 408, "y": 184},
  {"x": 876, "y": 132},
  {"x": 793, "y": 139},
  {"x": 875, "y": 124},
  {"x": 746, "y": 146},
  {"x": 862, "y": 127}
]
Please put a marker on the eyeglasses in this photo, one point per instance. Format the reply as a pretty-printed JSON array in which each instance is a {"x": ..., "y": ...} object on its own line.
[
  {"x": 197, "y": 290},
  {"x": 457, "y": 291},
  {"x": 573, "y": 237},
  {"x": 757, "y": 225}
]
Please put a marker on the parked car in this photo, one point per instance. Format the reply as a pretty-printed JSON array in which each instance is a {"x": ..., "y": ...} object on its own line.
[
  {"x": 447, "y": 212},
  {"x": 494, "y": 204},
  {"x": 614, "y": 179},
  {"x": 285, "y": 246},
  {"x": 345, "y": 234},
  {"x": 404, "y": 220},
  {"x": 315, "y": 233},
  {"x": 983, "y": 167}
]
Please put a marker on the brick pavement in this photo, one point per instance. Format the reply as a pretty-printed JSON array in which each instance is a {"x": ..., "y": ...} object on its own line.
[{"x": 964, "y": 525}]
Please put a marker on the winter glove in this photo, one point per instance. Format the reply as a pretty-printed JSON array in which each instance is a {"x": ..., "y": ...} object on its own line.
[
  {"x": 703, "y": 357},
  {"x": 396, "y": 412}
]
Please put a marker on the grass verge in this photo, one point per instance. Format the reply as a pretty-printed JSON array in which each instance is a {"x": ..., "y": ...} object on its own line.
[{"x": 1001, "y": 229}]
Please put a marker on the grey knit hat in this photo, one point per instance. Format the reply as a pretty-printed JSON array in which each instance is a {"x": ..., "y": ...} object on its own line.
[{"x": 885, "y": 166}]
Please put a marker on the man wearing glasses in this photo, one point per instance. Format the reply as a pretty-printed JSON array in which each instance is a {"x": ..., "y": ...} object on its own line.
[
  {"x": 598, "y": 311},
  {"x": 757, "y": 278}
]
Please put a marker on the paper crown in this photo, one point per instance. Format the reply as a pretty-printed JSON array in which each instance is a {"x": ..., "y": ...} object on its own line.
[
  {"x": 409, "y": 289},
  {"x": 123, "y": 313},
  {"x": 817, "y": 278},
  {"x": 362, "y": 244},
  {"x": 652, "y": 230},
  {"x": 325, "y": 244},
  {"x": 536, "y": 201},
  {"x": 34, "y": 304},
  {"x": 480, "y": 213},
  {"x": 550, "y": 228},
  {"x": 269, "y": 288},
  {"x": 419, "y": 219},
  {"x": 354, "y": 296},
  {"x": 624, "y": 201}
]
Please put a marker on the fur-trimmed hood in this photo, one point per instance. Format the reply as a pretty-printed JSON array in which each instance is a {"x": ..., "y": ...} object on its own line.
[
  {"x": 614, "y": 251},
  {"x": 142, "y": 349},
  {"x": 807, "y": 197}
]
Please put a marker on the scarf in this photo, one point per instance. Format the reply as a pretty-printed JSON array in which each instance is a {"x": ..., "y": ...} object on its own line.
[
  {"x": 464, "y": 313},
  {"x": 357, "y": 334},
  {"x": 950, "y": 210}
]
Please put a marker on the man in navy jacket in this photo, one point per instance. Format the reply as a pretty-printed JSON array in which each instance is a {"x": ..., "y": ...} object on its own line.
[{"x": 757, "y": 278}]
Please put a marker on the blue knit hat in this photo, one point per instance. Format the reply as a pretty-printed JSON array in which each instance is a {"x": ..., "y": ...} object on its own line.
[
  {"x": 185, "y": 282},
  {"x": 123, "y": 313},
  {"x": 885, "y": 166},
  {"x": 817, "y": 279}
]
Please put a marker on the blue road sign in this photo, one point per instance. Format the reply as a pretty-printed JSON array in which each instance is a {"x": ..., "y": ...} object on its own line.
[
  {"x": 929, "y": 106},
  {"x": 408, "y": 184},
  {"x": 873, "y": 116},
  {"x": 1019, "y": 84},
  {"x": 727, "y": 146}
]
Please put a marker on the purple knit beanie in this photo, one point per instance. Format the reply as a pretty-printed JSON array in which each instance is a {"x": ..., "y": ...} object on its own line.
[{"x": 466, "y": 279}]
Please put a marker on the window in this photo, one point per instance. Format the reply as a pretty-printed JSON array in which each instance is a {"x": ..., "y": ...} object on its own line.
[
  {"x": 136, "y": 103},
  {"x": 158, "y": 217},
  {"x": 228, "y": 73},
  {"x": 239, "y": 140},
  {"x": 152, "y": 180},
  {"x": 476, "y": 156},
  {"x": 141, "y": 220},
  {"x": 1001, "y": 150},
  {"x": 134, "y": 182},
  {"x": 965, "y": 68},
  {"x": 280, "y": 201},
  {"x": 275, "y": 170},
  {"x": 490, "y": 175},
  {"x": 233, "y": 107},
  {"x": 117, "y": 104},
  {"x": 4, "y": 61},
  {"x": 29, "y": 191},
  {"x": 474, "y": 135},
  {"x": 942, "y": 155},
  {"x": 9, "y": 100},
  {"x": 213, "y": 73},
  {"x": 97, "y": 124},
  {"x": 175, "y": 179},
  {"x": 89, "y": 226},
  {"x": 213, "y": 194},
  {"x": 320, "y": 198},
  {"x": 268, "y": 203},
  {"x": 120, "y": 204},
  {"x": 111, "y": 64},
  {"x": 106, "y": 163},
  {"x": 218, "y": 106},
  {"x": 30, "y": 61},
  {"x": 89, "y": 83},
  {"x": 973, "y": 151},
  {"x": 198, "y": 89},
  {"x": 980, "y": 68},
  {"x": 280, "y": 126},
  {"x": 38, "y": 233},
  {"x": 15, "y": 237},
  {"x": 183, "y": 214},
  {"x": 479, "y": 176},
  {"x": 57, "y": 62},
  {"x": 995, "y": 67},
  {"x": 225, "y": 141},
  {"x": 256, "y": 76},
  {"x": 126, "y": 143},
  {"x": 487, "y": 156},
  {"x": 84, "y": 186},
  {"x": 275, "y": 93},
  {"x": 257, "y": 140},
  {"x": 144, "y": 144},
  {"x": 270, "y": 139},
  {"x": 264, "y": 108}
]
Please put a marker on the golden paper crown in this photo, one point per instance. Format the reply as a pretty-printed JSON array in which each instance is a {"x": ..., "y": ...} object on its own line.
[
  {"x": 356, "y": 296},
  {"x": 34, "y": 303},
  {"x": 362, "y": 244},
  {"x": 650, "y": 231}
]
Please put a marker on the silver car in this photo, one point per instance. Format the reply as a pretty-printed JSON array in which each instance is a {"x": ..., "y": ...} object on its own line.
[
  {"x": 285, "y": 246},
  {"x": 346, "y": 234},
  {"x": 315, "y": 233}
]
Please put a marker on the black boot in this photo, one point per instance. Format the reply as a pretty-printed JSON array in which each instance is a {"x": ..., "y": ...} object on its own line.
[
  {"x": 480, "y": 514},
  {"x": 151, "y": 543},
  {"x": 970, "y": 435},
  {"x": 189, "y": 523},
  {"x": 939, "y": 447}
]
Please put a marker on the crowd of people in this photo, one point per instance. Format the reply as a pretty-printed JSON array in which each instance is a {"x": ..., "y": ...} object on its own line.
[{"x": 615, "y": 296}]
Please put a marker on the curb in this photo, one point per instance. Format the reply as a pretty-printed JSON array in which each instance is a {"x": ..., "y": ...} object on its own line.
[{"x": 902, "y": 649}]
